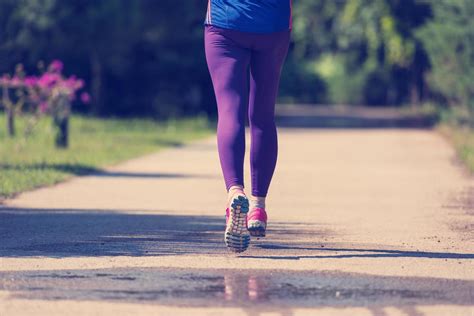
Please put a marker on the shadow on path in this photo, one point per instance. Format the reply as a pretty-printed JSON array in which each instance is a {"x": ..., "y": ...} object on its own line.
[
  {"x": 76, "y": 233},
  {"x": 322, "y": 116},
  {"x": 81, "y": 169},
  {"x": 26, "y": 232},
  {"x": 71, "y": 233}
]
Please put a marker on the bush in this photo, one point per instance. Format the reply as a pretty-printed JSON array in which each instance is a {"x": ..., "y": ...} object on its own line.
[
  {"x": 449, "y": 41},
  {"x": 301, "y": 85}
]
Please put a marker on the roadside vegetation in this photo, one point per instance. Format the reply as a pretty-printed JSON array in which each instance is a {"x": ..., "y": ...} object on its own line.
[
  {"x": 354, "y": 52},
  {"x": 448, "y": 39},
  {"x": 27, "y": 163},
  {"x": 456, "y": 126}
]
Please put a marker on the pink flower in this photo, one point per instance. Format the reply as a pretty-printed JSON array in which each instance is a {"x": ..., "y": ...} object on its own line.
[
  {"x": 16, "y": 82},
  {"x": 30, "y": 81},
  {"x": 43, "y": 90},
  {"x": 5, "y": 80},
  {"x": 73, "y": 84},
  {"x": 56, "y": 66},
  {"x": 85, "y": 98},
  {"x": 48, "y": 80}
]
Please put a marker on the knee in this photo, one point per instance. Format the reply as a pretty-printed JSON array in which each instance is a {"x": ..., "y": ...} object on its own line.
[{"x": 262, "y": 121}]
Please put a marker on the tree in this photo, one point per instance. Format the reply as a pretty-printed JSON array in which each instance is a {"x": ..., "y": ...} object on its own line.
[
  {"x": 449, "y": 40},
  {"x": 364, "y": 49}
]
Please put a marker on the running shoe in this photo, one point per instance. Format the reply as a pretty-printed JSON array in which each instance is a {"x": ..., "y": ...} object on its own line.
[
  {"x": 237, "y": 237},
  {"x": 257, "y": 222}
]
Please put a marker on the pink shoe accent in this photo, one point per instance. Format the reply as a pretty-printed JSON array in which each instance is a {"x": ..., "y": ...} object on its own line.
[
  {"x": 257, "y": 214},
  {"x": 227, "y": 215},
  {"x": 257, "y": 222}
]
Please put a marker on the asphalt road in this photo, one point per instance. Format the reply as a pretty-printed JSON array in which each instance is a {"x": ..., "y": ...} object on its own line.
[{"x": 372, "y": 221}]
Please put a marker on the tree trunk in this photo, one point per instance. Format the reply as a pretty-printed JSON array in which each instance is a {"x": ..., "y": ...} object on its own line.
[
  {"x": 96, "y": 82},
  {"x": 9, "y": 111},
  {"x": 61, "y": 114},
  {"x": 415, "y": 98},
  {"x": 10, "y": 121},
  {"x": 62, "y": 135}
]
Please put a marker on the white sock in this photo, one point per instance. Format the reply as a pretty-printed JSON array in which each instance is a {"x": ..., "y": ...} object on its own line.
[
  {"x": 233, "y": 190},
  {"x": 257, "y": 201}
]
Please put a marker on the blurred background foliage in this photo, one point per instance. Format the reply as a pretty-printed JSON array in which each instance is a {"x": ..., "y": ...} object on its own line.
[{"x": 146, "y": 57}]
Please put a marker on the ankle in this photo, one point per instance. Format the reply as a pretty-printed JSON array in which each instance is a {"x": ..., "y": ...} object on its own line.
[
  {"x": 257, "y": 201},
  {"x": 235, "y": 190}
]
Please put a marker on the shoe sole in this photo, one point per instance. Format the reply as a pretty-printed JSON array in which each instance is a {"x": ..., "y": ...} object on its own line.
[
  {"x": 237, "y": 237},
  {"x": 257, "y": 228}
]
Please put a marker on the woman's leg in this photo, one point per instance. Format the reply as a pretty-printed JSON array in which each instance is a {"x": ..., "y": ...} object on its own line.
[
  {"x": 228, "y": 62},
  {"x": 265, "y": 68},
  {"x": 228, "y": 65}
]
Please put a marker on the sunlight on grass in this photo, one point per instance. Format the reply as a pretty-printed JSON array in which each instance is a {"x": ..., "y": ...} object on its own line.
[
  {"x": 463, "y": 140},
  {"x": 94, "y": 143}
]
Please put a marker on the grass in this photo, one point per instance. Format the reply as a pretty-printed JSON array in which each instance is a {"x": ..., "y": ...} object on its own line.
[
  {"x": 462, "y": 139},
  {"x": 28, "y": 163},
  {"x": 456, "y": 124}
]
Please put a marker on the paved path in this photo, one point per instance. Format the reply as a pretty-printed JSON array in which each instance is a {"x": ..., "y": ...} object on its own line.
[{"x": 362, "y": 222}]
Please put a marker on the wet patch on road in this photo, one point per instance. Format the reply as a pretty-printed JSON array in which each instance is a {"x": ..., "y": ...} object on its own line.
[{"x": 252, "y": 289}]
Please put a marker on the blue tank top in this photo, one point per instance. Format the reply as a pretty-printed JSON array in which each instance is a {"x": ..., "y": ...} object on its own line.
[{"x": 257, "y": 16}]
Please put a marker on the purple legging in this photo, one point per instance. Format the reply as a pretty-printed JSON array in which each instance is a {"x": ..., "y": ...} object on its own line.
[{"x": 245, "y": 70}]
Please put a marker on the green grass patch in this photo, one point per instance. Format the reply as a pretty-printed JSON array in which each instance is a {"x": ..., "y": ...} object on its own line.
[
  {"x": 28, "y": 163},
  {"x": 457, "y": 125},
  {"x": 462, "y": 138}
]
